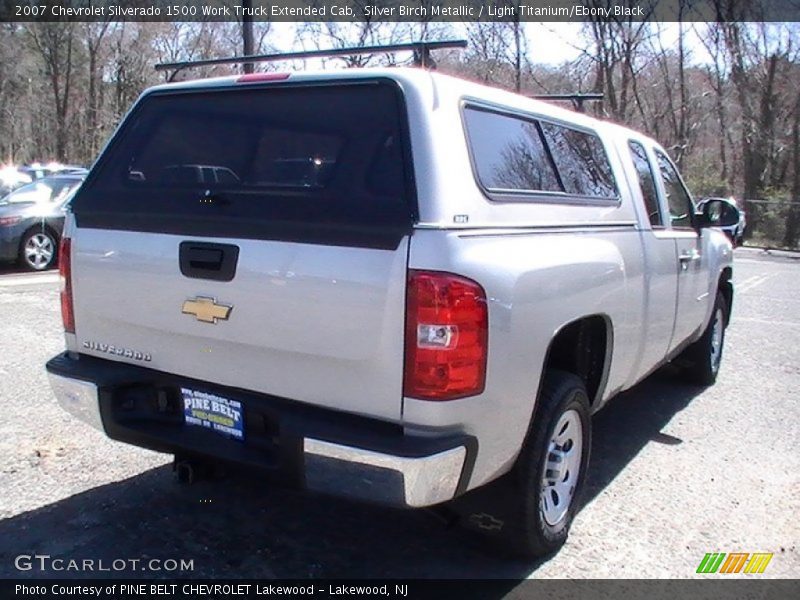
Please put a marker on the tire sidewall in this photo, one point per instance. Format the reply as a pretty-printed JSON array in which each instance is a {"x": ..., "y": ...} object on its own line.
[
  {"x": 718, "y": 306},
  {"x": 707, "y": 375},
  {"x": 558, "y": 533}
]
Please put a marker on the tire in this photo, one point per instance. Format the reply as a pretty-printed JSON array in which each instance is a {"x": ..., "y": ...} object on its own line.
[
  {"x": 550, "y": 489},
  {"x": 38, "y": 250},
  {"x": 703, "y": 358}
]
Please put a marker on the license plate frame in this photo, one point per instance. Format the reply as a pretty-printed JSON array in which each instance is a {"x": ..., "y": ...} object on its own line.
[{"x": 211, "y": 411}]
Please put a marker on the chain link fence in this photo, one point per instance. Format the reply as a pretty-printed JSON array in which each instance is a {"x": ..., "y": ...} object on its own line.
[{"x": 773, "y": 223}]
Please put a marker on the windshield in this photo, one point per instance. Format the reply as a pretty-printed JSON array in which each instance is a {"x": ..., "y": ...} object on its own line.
[{"x": 42, "y": 192}]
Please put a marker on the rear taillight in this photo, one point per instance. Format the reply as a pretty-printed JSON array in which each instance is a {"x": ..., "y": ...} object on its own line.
[
  {"x": 446, "y": 336},
  {"x": 65, "y": 271},
  {"x": 9, "y": 221}
]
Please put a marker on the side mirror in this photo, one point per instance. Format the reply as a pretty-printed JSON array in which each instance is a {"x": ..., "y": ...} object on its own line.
[{"x": 719, "y": 212}]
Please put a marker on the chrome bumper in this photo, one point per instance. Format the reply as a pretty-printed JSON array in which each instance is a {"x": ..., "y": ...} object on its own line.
[
  {"x": 78, "y": 398},
  {"x": 331, "y": 468},
  {"x": 383, "y": 478}
]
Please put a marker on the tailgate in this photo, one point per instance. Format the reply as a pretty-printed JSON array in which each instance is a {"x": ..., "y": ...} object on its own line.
[{"x": 255, "y": 238}]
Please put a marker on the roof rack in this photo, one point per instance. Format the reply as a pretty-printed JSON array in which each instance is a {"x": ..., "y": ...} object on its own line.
[
  {"x": 576, "y": 99},
  {"x": 421, "y": 50}
]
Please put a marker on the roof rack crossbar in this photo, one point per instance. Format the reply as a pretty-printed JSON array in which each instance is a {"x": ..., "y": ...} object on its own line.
[{"x": 420, "y": 49}]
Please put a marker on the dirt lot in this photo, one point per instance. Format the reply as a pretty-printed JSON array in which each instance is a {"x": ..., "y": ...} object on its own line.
[{"x": 677, "y": 472}]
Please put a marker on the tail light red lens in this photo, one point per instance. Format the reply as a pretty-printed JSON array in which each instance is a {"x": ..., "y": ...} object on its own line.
[
  {"x": 9, "y": 221},
  {"x": 65, "y": 271},
  {"x": 446, "y": 336}
]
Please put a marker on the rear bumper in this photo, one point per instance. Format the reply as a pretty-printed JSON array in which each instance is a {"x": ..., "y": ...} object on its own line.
[{"x": 317, "y": 449}]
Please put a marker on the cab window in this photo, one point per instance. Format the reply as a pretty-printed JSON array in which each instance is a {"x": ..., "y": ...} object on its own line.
[
  {"x": 678, "y": 199},
  {"x": 647, "y": 183}
]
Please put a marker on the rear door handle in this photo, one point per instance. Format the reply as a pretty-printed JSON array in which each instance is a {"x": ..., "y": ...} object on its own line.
[
  {"x": 201, "y": 260},
  {"x": 689, "y": 255},
  {"x": 205, "y": 258}
]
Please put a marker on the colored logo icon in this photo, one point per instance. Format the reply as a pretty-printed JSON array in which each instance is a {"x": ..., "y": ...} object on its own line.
[{"x": 735, "y": 562}]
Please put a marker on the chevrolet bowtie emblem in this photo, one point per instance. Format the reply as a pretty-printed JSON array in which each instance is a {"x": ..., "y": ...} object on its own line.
[{"x": 206, "y": 309}]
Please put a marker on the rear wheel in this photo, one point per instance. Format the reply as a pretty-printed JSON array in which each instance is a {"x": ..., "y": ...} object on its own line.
[
  {"x": 529, "y": 510},
  {"x": 552, "y": 467},
  {"x": 704, "y": 357},
  {"x": 38, "y": 250}
]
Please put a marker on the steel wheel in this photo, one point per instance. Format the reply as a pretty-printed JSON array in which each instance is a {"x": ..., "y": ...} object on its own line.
[
  {"x": 562, "y": 468},
  {"x": 530, "y": 509},
  {"x": 39, "y": 251}
]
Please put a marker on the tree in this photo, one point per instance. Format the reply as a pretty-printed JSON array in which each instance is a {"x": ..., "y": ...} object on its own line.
[
  {"x": 717, "y": 72},
  {"x": 675, "y": 95},
  {"x": 497, "y": 53},
  {"x": 754, "y": 63},
  {"x": 791, "y": 238},
  {"x": 94, "y": 33},
  {"x": 364, "y": 31},
  {"x": 55, "y": 44},
  {"x": 614, "y": 49},
  {"x": 15, "y": 84}
]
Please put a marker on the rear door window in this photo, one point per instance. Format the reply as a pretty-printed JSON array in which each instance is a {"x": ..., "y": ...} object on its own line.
[{"x": 281, "y": 162}]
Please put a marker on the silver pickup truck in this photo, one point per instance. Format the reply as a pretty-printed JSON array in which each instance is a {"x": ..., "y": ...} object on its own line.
[{"x": 387, "y": 284}]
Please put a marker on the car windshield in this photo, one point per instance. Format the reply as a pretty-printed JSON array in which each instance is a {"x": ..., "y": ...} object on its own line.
[{"x": 42, "y": 191}]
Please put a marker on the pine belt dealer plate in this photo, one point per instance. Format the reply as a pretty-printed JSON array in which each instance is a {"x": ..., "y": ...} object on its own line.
[{"x": 213, "y": 412}]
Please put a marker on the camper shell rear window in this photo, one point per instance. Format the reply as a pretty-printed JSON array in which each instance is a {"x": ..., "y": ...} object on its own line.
[{"x": 322, "y": 163}]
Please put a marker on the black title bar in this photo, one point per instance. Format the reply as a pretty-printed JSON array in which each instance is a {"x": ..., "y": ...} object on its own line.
[
  {"x": 199, "y": 589},
  {"x": 400, "y": 10}
]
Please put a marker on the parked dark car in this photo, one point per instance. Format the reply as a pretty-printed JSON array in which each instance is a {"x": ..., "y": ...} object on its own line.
[
  {"x": 32, "y": 218},
  {"x": 38, "y": 171},
  {"x": 12, "y": 178}
]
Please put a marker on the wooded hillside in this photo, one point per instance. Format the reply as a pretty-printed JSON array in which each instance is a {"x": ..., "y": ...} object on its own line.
[{"x": 723, "y": 98}]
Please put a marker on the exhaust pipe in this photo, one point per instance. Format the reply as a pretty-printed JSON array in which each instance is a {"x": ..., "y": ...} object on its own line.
[
  {"x": 189, "y": 470},
  {"x": 185, "y": 470}
]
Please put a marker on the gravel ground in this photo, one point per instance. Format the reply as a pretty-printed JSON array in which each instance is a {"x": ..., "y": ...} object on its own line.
[{"x": 677, "y": 472}]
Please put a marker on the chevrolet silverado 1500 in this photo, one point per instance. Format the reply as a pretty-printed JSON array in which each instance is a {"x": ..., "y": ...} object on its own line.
[{"x": 388, "y": 284}]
